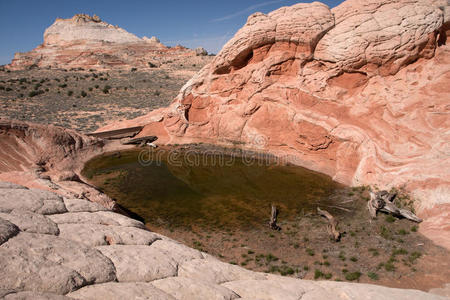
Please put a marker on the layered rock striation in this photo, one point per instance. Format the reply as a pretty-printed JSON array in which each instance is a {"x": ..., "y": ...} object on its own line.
[
  {"x": 88, "y": 42},
  {"x": 359, "y": 92}
]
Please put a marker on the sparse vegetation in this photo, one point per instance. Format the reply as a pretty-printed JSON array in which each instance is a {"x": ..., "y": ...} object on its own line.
[
  {"x": 373, "y": 276},
  {"x": 351, "y": 276}
]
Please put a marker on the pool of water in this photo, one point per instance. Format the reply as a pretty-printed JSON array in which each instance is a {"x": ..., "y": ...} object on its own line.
[{"x": 185, "y": 188}]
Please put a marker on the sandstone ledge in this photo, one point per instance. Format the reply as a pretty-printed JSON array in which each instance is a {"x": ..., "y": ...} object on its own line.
[{"x": 39, "y": 262}]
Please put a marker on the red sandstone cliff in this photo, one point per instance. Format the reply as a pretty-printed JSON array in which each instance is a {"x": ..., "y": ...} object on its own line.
[
  {"x": 88, "y": 42},
  {"x": 360, "y": 92}
]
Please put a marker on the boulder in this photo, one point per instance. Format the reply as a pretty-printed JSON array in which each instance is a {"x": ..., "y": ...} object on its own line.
[
  {"x": 31, "y": 222},
  {"x": 54, "y": 251},
  {"x": 140, "y": 263},
  {"x": 22, "y": 270},
  {"x": 7, "y": 230},
  {"x": 38, "y": 201}
]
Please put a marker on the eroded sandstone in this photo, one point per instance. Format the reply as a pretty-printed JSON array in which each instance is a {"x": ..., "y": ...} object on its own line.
[
  {"x": 359, "y": 92},
  {"x": 89, "y": 43}
]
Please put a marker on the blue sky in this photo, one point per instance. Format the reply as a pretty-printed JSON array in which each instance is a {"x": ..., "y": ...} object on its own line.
[{"x": 190, "y": 23}]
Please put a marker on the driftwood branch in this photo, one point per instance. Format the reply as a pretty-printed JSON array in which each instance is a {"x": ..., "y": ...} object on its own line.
[
  {"x": 273, "y": 219},
  {"x": 145, "y": 140},
  {"x": 332, "y": 226},
  {"x": 384, "y": 201}
]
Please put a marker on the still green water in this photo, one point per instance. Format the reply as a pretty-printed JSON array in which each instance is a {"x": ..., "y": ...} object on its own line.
[{"x": 217, "y": 191}]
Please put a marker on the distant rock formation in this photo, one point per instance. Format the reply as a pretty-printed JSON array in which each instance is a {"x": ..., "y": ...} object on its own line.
[
  {"x": 359, "y": 92},
  {"x": 88, "y": 42}
]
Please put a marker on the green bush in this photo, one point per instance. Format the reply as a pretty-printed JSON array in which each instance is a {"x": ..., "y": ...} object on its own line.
[
  {"x": 35, "y": 93},
  {"x": 69, "y": 93},
  {"x": 83, "y": 94},
  {"x": 372, "y": 275},
  {"x": 310, "y": 252},
  {"x": 351, "y": 276}
]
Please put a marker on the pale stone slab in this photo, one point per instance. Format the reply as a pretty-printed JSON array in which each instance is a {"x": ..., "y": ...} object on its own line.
[
  {"x": 88, "y": 262},
  {"x": 31, "y": 222},
  {"x": 277, "y": 287},
  {"x": 344, "y": 290},
  {"x": 98, "y": 235},
  {"x": 35, "y": 296},
  {"x": 215, "y": 271},
  {"x": 264, "y": 290},
  {"x": 185, "y": 289},
  {"x": 147, "y": 263},
  {"x": 139, "y": 263},
  {"x": 120, "y": 291},
  {"x": 177, "y": 251},
  {"x": 38, "y": 201},
  {"x": 99, "y": 217},
  {"x": 79, "y": 205},
  {"x": 7, "y": 230},
  {"x": 22, "y": 270}
]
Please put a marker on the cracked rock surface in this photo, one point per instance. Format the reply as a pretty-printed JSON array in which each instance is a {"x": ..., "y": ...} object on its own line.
[{"x": 98, "y": 254}]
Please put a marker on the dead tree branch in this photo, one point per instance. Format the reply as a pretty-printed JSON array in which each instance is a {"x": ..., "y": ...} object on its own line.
[
  {"x": 384, "y": 201},
  {"x": 273, "y": 219},
  {"x": 332, "y": 226}
]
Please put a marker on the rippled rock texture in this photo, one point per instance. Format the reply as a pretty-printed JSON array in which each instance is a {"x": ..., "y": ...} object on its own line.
[{"x": 359, "y": 92}]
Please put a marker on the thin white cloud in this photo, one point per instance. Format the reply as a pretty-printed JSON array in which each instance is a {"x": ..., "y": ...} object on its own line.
[{"x": 244, "y": 11}]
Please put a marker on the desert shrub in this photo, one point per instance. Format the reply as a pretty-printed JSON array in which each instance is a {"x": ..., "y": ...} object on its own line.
[
  {"x": 63, "y": 85},
  {"x": 318, "y": 274},
  {"x": 133, "y": 69},
  {"x": 351, "y": 276},
  {"x": 83, "y": 94},
  {"x": 270, "y": 258},
  {"x": 151, "y": 65},
  {"x": 372, "y": 275},
  {"x": 106, "y": 89},
  {"x": 35, "y": 93},
  {"x": 69, "y": 93},
  {"x": 390, "y": 219}
]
